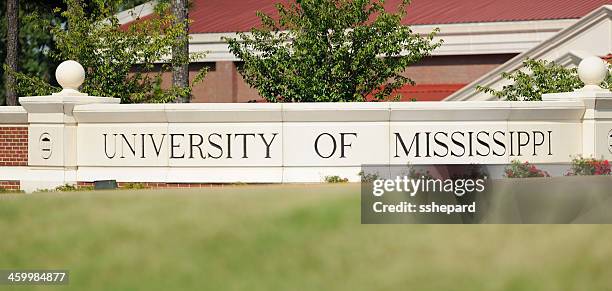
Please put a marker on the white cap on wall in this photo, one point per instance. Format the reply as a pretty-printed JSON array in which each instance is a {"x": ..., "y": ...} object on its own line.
[
  {"x": 592, "y": 71},
  {"x": 70, "y": 75}
]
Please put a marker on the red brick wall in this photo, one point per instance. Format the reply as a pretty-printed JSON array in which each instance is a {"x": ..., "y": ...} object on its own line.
[
  {"x": 13, "y": 146},
  {"x": 10, "y": 185},
  {"x": 454, "y": 69},
  {"x": 223, "y": 84}
]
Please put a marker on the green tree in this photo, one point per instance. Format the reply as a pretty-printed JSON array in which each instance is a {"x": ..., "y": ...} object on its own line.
[
  {"x": 330, "y": 51},
  {"x": 126, "y": 63},
  {"x": 35, "y": 41},
  {"x": 540, "y": 77}
]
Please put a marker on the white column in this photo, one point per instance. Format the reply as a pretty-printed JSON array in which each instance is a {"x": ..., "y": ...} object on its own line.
[{"x": 52, "y": 131}]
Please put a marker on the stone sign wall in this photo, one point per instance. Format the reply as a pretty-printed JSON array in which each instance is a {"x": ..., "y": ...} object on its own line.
[{"x": 75, "y": 138}]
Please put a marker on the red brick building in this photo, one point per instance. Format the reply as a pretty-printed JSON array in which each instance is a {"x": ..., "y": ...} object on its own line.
[{"x": 479, "y": 36}]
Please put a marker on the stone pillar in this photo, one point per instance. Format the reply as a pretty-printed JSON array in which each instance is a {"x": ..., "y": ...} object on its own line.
[
  {"x": 52, "y": 154},
  {"x": 597, "y": 119}
]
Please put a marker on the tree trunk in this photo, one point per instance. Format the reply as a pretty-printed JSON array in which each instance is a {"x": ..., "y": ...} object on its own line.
[
  {"x": 180, "y": 52},
  {"x": 12, "y": 49}
]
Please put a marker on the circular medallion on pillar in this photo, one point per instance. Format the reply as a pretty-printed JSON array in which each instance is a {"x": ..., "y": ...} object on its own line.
[
  {"x": 46, "y": 146},
  {"x": 610, "y": 141}
]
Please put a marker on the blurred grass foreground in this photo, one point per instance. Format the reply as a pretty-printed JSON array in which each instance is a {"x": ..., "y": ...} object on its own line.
[{"x": 283, "y": 237}]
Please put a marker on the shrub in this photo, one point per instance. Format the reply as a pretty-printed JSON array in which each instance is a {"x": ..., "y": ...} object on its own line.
[
  {"x": 589, "y": 167},
  {"x": 539, "y": 77},
  {"x": 524, "y": 170},
  {"x": 335, "y": 179},
  {"x": 128, "y": 186},
  {"x": 73, "y": 188},
  {"x": 368, "y": 177},
  {"x": 66, "y": 188},
  {"x": 419, "y": 174},
  {"x": 10, "y": 191}
]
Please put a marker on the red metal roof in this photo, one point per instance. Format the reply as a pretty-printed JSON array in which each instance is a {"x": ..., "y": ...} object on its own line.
[
  {"x": 239, "y": 15},
  {"x": 428, "y": 92}
]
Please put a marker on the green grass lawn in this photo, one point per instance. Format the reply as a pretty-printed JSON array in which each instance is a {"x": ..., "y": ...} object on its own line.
[{"x": 292, "y": 237}]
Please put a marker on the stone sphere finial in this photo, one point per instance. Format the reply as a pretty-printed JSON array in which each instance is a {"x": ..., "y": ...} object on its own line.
[
  {"x": 592, "y": 71},
  {"x": 70, "y": 75}
]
